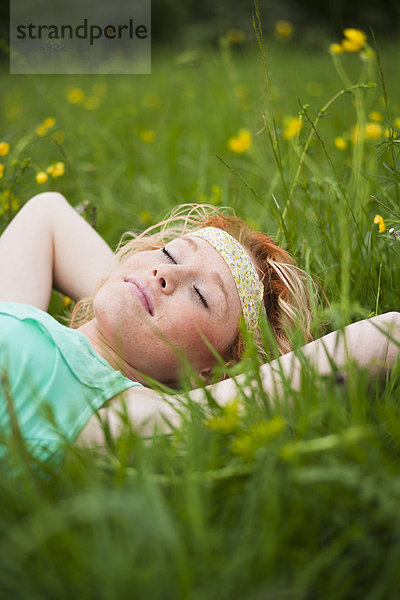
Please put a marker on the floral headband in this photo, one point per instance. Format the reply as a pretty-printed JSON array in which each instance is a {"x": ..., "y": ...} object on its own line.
[{"x": 248, "y": 284}]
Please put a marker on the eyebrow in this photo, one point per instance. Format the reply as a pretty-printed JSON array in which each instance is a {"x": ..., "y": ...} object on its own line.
[
  {"x": 215, "y": 275},
  {"x": 191, "y": 242}
]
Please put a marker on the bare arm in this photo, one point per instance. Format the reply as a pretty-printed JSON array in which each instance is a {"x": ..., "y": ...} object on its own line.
[
  {"x": 49, "y": 245},
  {"x": 362, "y": 342}
]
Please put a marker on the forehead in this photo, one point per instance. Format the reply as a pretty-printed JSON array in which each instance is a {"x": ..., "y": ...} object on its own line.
[
  {"x": 203, "y": 251},
  {"x": 208, "y": 261}
]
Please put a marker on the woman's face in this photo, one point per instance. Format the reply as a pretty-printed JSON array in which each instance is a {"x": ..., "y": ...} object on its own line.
[{"x": 162, "y": 301}]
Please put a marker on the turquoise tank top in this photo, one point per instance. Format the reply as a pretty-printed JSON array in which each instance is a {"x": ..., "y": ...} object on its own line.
[{"x": 51, "y": 380}]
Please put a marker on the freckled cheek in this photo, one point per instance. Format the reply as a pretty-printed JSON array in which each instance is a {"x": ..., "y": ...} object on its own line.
[
  {"x": 114, "y": 309},
  {"x": 189, "y": 337},
  {"x": 183, "y": 332}
]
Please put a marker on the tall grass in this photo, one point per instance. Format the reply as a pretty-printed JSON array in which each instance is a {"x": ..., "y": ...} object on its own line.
[{"x": 253, "y": 501}]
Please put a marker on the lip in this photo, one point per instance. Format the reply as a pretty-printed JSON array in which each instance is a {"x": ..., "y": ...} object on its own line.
[{"x": 143, "y": 292}]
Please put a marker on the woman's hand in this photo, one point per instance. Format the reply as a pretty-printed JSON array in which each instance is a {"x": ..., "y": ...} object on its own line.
[{"x": 49, "y": 245}]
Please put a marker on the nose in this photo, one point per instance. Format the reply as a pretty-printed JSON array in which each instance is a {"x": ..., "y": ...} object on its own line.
[{"x": 166, "y": 277}]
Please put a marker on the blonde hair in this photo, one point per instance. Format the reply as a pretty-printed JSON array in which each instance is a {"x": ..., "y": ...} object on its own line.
[{"x": 287, "y": 297}]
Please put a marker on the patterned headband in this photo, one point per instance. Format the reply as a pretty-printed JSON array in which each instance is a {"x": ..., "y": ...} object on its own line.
[{"x": 248, "y": 284}]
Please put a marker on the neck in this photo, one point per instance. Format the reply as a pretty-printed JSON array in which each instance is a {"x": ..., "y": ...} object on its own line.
[{"x": 100, "y": 345}]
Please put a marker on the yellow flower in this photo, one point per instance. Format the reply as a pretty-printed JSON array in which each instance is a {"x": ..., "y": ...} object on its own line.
[
  {"x": 45, "y": 126},
  {"x": 259, "y": 435},
  {"x": 375, "y": 115},
  {"x": 396, "y": 122},
  {"x": 235, "y": 36},
  {"x": 41, "y": 177},
  {"x": 66, "y": 301},
  {"x": 336, "y": 49},
  {"x": 340, "y": 143},
  {"x": 373, "y": 131},
  {"x": 349, "y": 46},
  {"x": 355, "y": 35},
  {"x": 49, "y": 122},
  {"x": 41, "y": 130},
  {"x": 59, "y": 169},
  {"x": 1, "y": 171},
  {"x": 283, "y": 30},
  {"x": 56, "y": 169},
  {"x": 241, "y": 142},
  {"x": 4, "y": 148},
  {"x": 228, "y": 421},
  {"x": 379, "y": 220},
  {"x": 76, "y": 96},
  {"x": 147, "y": 135},
  {"x": 354, "y": 40},
  {"x": 91, "y": 102},
  {"x": 292, "y": 127}
]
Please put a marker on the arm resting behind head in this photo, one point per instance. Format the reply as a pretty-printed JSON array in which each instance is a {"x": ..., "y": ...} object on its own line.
[
  {"x": 372, "y": 343},
  {"x": 47, "y": 245}
]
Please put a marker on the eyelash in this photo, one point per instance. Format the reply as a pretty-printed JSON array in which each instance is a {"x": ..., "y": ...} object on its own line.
[
  {"x": 171, "y": 258},
  {"x": 165, "y": 251},
  {"x": 200, "y": 295}
]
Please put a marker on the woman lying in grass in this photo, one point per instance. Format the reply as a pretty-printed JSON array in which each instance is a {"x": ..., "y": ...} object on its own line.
[{"x": 173, "y": 295}]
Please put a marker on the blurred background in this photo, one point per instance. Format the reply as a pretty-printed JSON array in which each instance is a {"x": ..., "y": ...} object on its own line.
[{"x": 189, "y": 21}]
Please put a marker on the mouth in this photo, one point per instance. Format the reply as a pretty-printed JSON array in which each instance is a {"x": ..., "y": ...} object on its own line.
[{"x": 142, "y": 291}]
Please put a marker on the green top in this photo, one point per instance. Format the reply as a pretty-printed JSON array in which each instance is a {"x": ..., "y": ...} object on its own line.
[{"x": 51, "y": 379}]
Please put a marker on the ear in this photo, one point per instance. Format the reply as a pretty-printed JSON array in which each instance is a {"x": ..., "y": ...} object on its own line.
[{"x": 206, "y": 375}]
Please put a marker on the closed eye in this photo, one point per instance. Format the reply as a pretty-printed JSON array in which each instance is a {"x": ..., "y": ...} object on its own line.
[
  {"x": 200, "y": 295},
  {"x": 168, "y": 254}
]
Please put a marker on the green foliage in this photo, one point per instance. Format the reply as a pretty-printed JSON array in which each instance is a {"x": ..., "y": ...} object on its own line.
[
  {"x": 251, "y": 501},
  {"x": 279, "y": 502}
]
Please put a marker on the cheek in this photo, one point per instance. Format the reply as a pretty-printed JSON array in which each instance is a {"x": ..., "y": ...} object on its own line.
[
  {"x": 109, "y": 309},
  {"x": 186, "y": 333},
  {"x": 104, "y": 313},
  {"x": 105, "y": 300},
  {"x": 101, "y": 300}
]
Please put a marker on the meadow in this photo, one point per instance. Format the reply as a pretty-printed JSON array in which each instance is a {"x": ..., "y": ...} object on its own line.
[{"x": 258, "y": 502}]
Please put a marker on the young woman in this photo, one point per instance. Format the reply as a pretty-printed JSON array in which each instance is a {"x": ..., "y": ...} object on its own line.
[{"x": 172, "y": 296}]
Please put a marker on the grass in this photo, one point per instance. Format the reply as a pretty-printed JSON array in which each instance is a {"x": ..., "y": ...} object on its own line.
[{"x": 275, "y": 502}]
